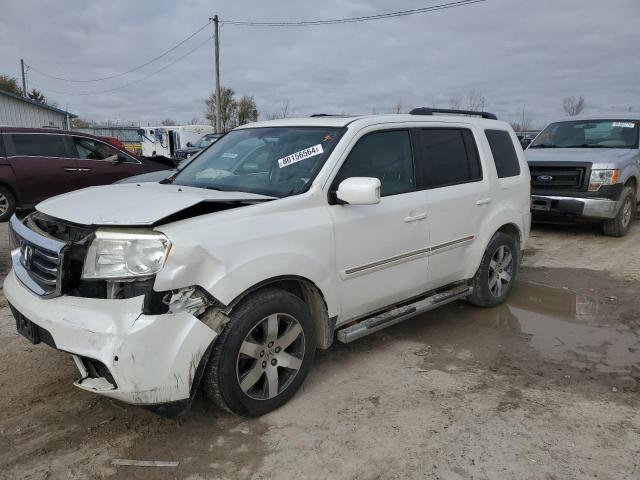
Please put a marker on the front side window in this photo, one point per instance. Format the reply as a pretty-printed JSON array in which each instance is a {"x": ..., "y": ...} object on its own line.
[
  {"x": 448, "y": 156},
  {"x": 382, "y": 155},
  {"x": 274, "y": 161},
  {"x": 39, "y": 145},
  {"x": 504, "y": 154},
  {"x": 89, "y": 149},
  {"x": 207, "y": 140},
  {"x": 589, "y": 134}
]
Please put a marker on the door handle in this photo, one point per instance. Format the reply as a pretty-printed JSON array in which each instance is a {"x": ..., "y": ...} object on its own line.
[
  {"x": 84, "y": 169},
  {"x": 69, "y": 169},
  {"x": 484, "y": 201},
  {"x": 415, "y": 218}
]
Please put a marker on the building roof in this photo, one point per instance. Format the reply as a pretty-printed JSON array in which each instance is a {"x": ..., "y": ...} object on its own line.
[{"x": 37, "y": 104}]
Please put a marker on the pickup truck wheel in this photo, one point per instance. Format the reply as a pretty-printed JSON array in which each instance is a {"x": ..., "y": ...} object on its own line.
[
  {"x": 7, "y": 204},
  {"x": 494, "y": 279},
  {"x": 263, "y": 355},
  {"x": 619, "y": 226}
]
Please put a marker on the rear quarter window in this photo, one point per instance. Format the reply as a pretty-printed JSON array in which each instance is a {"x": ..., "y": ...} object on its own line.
[
  {"x": 39, "y": 145},
  {"x": 504, "y": 153},
  {"x": 3, "y": 152}
]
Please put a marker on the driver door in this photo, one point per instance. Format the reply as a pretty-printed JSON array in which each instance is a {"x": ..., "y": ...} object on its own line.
[{"x": 381, "y": 250}]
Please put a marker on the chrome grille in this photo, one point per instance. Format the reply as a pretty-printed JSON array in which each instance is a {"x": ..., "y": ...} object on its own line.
[{"x": 37, "y": 259}]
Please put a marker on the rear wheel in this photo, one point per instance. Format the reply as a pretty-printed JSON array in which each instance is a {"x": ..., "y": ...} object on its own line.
[
  {"x": 263, "y": 355},
  {"x": 7, "y": 204},
  {"x": 619, "y": 226},
  {"x": 494, "y": 279}
]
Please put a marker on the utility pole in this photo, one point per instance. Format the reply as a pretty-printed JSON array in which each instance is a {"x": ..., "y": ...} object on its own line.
[
  {"x": 24, "y": 79},
  {"x": 216, "y": 44}
]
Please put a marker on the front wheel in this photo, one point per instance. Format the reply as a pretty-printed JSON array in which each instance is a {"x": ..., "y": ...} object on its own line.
[
  {"x": 263, "y": 355},
  {"x": 7, "y": 204},
  {"x": 494, "y": 279},
  {"x": 619, "y": 226}
]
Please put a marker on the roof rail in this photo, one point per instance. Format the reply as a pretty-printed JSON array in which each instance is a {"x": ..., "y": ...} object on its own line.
[
  {"x": 431, "y": 111},
  {"x": 323, "y": 115}
]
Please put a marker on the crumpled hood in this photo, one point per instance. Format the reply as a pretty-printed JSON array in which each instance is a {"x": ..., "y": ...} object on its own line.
[
  {"x": 601, "y": 156},
  {"x": 133, "y": 204}
]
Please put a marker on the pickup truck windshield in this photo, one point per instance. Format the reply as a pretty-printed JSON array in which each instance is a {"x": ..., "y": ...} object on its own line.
[
  {"x": 274, "y": 161},
  {"x": 589, "y": 134}
]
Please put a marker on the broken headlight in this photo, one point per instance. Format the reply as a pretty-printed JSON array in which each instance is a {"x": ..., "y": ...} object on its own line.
[{"x": 125, "y": 254}]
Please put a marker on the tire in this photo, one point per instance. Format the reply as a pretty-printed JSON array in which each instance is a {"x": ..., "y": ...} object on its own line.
[
  {"x": 7, "y": 204},
  {"x": 619, "y": 226},
  {"x": 498, "y": 269},
  {"x": 246, "y": 374}
]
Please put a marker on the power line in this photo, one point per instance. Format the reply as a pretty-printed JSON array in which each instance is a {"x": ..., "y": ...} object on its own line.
[
  {"x": 402, "y": 13},
  {"x": 128, "y": 71},
  {"x": 140, "y": 79}
]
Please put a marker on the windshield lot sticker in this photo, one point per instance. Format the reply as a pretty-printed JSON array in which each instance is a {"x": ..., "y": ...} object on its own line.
[
  {"x": 624, "y": 124},
  {"x": 229, "y": 155},
  {"x": 301, "y": 155}
]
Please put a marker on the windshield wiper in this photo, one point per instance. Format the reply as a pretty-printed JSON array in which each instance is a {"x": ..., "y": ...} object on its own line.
[
  {"x": 585, "y": 145},
  {"x": 543, "y": 145}
]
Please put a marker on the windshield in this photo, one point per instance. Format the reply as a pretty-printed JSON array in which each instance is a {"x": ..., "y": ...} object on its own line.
[
  {"x": 589, "y": 134},
  {"x": 274, "y": 161},
  {"x": 206, "y": 141}
]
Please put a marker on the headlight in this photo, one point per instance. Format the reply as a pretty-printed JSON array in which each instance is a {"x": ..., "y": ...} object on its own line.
[
  {"x": 602, "y": 177},
  {"x": 121, "y": 254}
]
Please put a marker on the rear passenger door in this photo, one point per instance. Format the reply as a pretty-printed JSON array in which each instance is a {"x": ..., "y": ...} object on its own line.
[
  {"x": 43, "y": 164},
  {"x": 101, "y": 164},
  {"x": 448, "y": 167}
]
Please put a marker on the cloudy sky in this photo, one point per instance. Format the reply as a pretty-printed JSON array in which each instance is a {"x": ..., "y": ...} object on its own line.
[{"x": 518, "y": 53}]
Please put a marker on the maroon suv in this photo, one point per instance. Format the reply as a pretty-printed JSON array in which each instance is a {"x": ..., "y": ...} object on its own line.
[{"x": 36, "y": 164}]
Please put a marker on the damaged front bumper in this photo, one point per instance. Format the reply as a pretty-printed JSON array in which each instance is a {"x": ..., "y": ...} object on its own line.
[{"x": 121, "y": 353}]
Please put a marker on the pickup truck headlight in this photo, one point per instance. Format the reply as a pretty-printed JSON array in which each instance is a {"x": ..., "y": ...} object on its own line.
[
  {"x": 121, "y": 254},
  {"x": 602, "y": 177}
]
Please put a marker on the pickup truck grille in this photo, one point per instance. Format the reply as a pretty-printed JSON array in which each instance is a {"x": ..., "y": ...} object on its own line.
[
  {"x": 37, "y": 259},
  {"x": 558, "y": 177}
]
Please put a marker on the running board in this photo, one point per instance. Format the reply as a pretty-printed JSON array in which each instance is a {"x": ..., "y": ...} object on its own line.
[{"x": 391, "y": 317}]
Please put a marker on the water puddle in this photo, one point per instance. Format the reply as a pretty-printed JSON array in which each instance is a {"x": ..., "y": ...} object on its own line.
[{"x": 574, "y": 329}]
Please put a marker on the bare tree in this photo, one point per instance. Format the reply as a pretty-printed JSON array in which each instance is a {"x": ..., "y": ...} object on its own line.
[
  {"x": 282, "y": 113},
  {"x": 37, "y": 96},
  {"x": 455, "y": 103},
  {"x": 79, "y": 123},
  {"x": 573, "y": 106},
  {"x": 247, "y": 110},
  {"x": 398, "y": 107},
  {"x": 168, "y": 122},
  {"x": 524, "y": 124},
  {"x": 476, "y": 100},
  {"x": 228, "y": 109},
  {"x": 195, "y": 121}
]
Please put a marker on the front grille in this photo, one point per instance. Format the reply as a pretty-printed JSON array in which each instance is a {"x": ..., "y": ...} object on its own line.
[
  {"x": 37, "y": 259},
  {"x": 558, "y": 177}
]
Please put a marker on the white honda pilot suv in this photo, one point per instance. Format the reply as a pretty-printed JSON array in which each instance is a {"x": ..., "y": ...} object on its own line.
[{"x": 276, "y": 239}]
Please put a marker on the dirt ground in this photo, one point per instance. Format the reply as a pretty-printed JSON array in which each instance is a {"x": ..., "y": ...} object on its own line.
[{"x": 545, "y": 387}]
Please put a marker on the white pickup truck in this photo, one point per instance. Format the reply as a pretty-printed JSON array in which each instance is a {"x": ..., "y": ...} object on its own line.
[{"x": 275, "y": 240}]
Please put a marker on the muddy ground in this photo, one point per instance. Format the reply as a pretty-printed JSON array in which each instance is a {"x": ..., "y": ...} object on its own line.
[{"x": 546, "y": 387}]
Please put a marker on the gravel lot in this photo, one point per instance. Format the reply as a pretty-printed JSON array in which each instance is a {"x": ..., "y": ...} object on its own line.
[{"x": 545, "y": 387}]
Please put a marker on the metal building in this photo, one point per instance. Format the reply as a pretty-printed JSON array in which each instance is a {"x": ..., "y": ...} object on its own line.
[{"x": 17, "y": 111}]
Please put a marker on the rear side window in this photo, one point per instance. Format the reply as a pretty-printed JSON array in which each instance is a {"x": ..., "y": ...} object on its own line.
[
  {"x": 39, "y": 145},
  {"x": 448, "y": 156},
  {"x": 504, "y": 155},
  {"x": 383, "y": 155},
  {"x": 2, "y": 151}
]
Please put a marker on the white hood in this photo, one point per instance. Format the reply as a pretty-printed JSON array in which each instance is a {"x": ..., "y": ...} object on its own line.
[{"x": 133, "y": 204}]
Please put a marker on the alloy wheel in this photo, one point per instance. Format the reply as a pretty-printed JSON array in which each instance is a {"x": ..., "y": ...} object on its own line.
[
  {"x": 4, "y": 204},
  {"x": 270, "y": 356},
  {"x": 627, "y": 209},
  {"x": 500, "y": 270}
]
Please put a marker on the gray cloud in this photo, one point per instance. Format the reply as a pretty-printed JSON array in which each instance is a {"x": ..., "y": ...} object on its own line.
[{"x": 516, "y": 52}]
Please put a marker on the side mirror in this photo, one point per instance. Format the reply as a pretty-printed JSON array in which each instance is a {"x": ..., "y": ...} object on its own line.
[{"x": 359, "y": 191}]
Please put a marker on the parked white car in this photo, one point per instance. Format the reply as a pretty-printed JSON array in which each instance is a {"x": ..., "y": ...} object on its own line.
[{"x": 280, "y": 237}]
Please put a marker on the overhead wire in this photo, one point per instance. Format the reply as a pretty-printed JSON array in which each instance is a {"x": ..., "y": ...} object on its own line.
[{"x": 121, "y": 74}]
